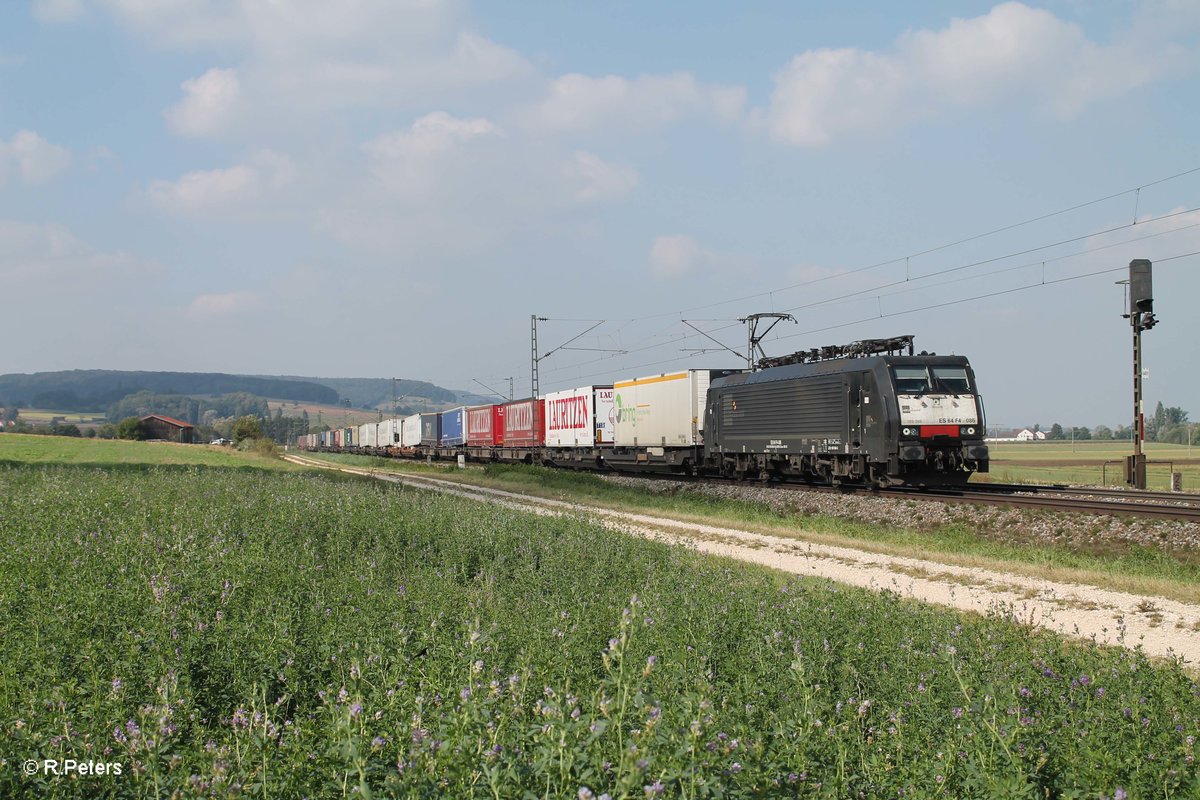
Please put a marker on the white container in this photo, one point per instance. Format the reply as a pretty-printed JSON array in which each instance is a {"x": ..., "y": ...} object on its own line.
[
  {"x": 572, "y": 419},
  {"x": 410, "y": 431},
  {"x": 373, "y": 437},
  {"x": 387, "y": 435},
  {"x": 662, "y": 410}
]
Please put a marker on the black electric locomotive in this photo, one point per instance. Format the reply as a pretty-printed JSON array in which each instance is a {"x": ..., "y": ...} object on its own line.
[{"x": 864, "y": 413}]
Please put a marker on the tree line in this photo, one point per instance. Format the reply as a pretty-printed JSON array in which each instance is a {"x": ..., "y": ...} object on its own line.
[
  {"x": 89, "y": 389},
  {"x": 1168, "y": 424}
]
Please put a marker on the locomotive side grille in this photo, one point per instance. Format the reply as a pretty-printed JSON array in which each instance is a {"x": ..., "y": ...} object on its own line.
[{"x": 813, "y": 408}]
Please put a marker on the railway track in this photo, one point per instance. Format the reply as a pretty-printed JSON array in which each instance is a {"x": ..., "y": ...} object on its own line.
[{"x": 1109, "y": 502}]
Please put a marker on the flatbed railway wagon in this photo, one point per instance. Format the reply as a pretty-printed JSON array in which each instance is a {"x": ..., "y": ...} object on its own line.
[
  {"x": 579, "y": 426},
  {"x": 660, "y": 420}
]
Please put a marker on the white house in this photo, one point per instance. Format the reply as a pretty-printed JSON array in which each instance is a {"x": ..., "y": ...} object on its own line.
[{"x": 1022, "y": 435}]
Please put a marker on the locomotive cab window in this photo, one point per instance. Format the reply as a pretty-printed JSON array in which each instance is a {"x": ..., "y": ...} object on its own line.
[
  {"x": 952, "y": 380},
  {"x": 911, "y": 380}
]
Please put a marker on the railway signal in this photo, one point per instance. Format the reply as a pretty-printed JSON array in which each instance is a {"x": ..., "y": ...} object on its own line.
[{"x": 1141, "y": 318}]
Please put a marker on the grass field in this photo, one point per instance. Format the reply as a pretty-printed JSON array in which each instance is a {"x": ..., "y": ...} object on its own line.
[
  {"x": 1092, "y": 559},
  {"x": 1084, "y": 463},
  {"x": 16, "y": 448},
  {"x": 222, "y": 632},
  {"x": 39, "y": 416},
  {"x": 333, "y": 416}
]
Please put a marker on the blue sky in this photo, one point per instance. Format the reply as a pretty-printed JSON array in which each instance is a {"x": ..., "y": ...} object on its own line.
[{"x": 379, "y": 188}]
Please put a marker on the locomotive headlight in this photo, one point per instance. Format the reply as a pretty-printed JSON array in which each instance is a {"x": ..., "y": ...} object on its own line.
[
  {"x": 907, "y": 431},
  {"x": 968, "y": 431}
]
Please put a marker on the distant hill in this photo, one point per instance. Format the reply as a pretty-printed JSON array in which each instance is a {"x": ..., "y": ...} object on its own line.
[
  {"x": 98, "y": 388},
  {"x": 377, "y": 392},
  {"x": 468, "y": 398}
]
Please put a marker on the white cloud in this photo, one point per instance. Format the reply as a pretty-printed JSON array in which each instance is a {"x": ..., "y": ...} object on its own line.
[
  {"x": 580, "y": 102},
  {"x": 282, "y": 26},
  {"x": 57, "y": 10},
  {"x": 452, "y": 185},
  {"x": 595, "y": 179},
  {"x": 208, "y": 306},
  {"x": 432, "y": 134},
  {"x": 47, "y": 255},
  {"x": 208, "y": 104},
  {"x": 676, "y": 256},
  {"x": 225, "y": 189},
  {"x": 36, "y": 161},
  {"x": 414, "y": 162},
  {"x": 300, "y": 59},
  {"x": 1013, "y": 51}
]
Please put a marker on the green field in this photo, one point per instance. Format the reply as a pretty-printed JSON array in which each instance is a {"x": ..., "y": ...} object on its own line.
[
  {"x": 38, "y": 416},
  {"x": 223, "y": 632},
  {"x": 1075, "y": 554},
  {"x": 1084, "y": 463},
  {"x": 19, "y": 448}
]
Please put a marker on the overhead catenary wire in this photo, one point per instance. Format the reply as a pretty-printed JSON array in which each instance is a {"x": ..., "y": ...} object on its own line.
[
  {"x": 929, "y": 307},
  {"x": 679, "y": 339},
  {"x": 1136, "y": 191},
  {"x": 938, "y": 248}
]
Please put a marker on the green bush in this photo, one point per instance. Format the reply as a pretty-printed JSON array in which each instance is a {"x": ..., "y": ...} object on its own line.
[{"x": 131, "y": 428}]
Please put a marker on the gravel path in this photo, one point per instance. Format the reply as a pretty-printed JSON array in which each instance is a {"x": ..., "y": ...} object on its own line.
[{"x": 1162, "y": 627}]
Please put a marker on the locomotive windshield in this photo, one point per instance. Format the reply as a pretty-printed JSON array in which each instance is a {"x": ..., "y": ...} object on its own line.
[
  {"x": 912, "y": 380},
  {"x": 952, "y": 380},
  {"x": 923, "y": 380}
]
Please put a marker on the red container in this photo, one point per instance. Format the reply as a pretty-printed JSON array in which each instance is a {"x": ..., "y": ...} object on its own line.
[
  {"x": 485, "y": 426},
  {"x": 525, "y": 423}
]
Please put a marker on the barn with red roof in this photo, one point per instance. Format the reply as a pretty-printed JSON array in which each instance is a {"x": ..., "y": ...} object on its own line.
[{"x": 159, "y": 426}]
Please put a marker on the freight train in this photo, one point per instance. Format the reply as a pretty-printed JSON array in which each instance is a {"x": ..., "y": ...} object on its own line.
[{"x": 868, "y": 413}]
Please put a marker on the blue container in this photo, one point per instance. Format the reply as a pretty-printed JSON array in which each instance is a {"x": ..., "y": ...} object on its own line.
[
  {"x": 454, "y": 427},
  {"x": 431, "y": 430}
]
